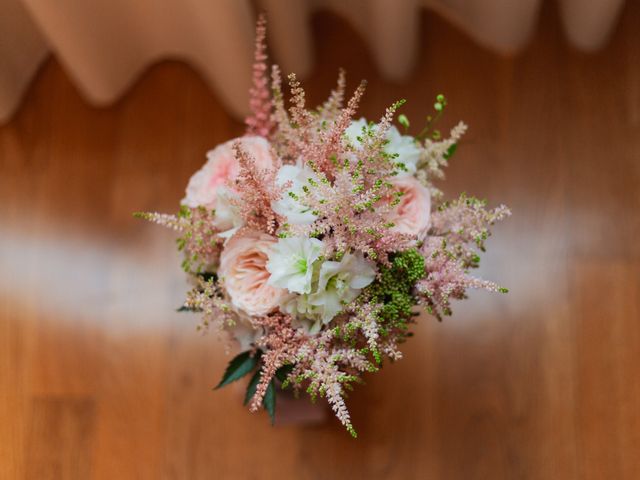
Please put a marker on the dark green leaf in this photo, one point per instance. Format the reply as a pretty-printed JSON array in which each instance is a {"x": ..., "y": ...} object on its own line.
[
  {"x": 206, "y": 276},
  {"x": 184, "y": 308},
  {"x": 251, "y": 388},
  {"x": 269, "y": 401},
  {"x": 452, "y": 149},
  {"x": 283, "y": 372},
  {"x": 238, "y": 368}
]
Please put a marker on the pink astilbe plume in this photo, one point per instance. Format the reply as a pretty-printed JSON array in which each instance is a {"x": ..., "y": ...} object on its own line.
[
  {"x": 259, "y": 122},
  {"x": 301, "y": 118},
  {"x": 257, "y": 189},
  {"x": 434, "y": 157},
  {"x": 446, "y": 279},
  {"x": 352, "y": 219},
  {"x": 343, "y": 199},
  {"x": 280, "y": 344},
  {"x": 326, "y": 154},
  {"x": 330, "y": 365},
  {"x": 465, "y": 223},
  {"x": 283, "y": 138},
  {"x": 199, "y": 238},
  {"x": 354, "y": 193},
  {"x": 379, "y": 164},
  {"x": 208, "y": 298},
  {"x": 328, "y": 381},
  {"x": 330, "y": 109}
]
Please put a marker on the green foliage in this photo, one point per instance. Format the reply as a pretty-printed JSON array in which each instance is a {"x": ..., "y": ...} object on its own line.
[
  {"x": 450, "y": 151},
  {"x": 207, "y": 279},
  {"x": 428, "y": 130},
  {"x": 185, "y": 308},
  {"x": 252, "y": 386},
  {"x": 467, "y": 222},
  {"x": 283, "y": 372},
  {"x": 197, "y": 240},
  {"x": 393, "y": 288},
  {"x": 208, "y": 276},
  {"x": 269, "y": 401},
  {"x": 441, "y": 102},
  {"x": 403, "y": 120},
  {"x": 238, "y": 367}
]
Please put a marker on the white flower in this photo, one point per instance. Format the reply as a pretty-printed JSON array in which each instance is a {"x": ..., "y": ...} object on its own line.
[
  {"x": 302, "y": 312},
  {"x": 404, "y": 146},
  {"x": 289, "y": 206},
  {"x": 228, "y": 219},
  {"x": 291, "y": 263},
  {"x": 341, "y": 282},
  {"x": 354, "y": 130}
]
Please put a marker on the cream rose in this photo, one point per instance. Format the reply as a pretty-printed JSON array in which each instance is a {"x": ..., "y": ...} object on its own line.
[
  {"x": 243, "y": 269},
  {"x": 412, "y": 215},
  {"x": 222, "y": 167}
]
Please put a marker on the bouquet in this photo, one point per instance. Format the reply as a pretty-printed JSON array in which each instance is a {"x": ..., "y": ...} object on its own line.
[{"x": 314, "y": 240}]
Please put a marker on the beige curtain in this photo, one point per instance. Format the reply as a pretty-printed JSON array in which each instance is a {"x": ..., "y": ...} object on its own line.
[{"x": 104, "y": 45}]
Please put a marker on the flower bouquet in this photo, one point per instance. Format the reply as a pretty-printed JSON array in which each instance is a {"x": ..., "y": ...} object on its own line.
[{"x": 314, "y": 240}]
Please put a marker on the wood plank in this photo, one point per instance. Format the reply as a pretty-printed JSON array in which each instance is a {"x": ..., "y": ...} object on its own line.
[
  {"x": 605, "y": 313},
  {"x": 60, "y": 438}
]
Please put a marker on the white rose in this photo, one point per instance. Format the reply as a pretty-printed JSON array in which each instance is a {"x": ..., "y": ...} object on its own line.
[
  {"x": 289, "y": 206},
  {"x": 405, "y": 146}
]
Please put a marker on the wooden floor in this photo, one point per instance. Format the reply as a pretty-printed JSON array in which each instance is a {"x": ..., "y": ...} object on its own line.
[{"x": 100, "y": 378}]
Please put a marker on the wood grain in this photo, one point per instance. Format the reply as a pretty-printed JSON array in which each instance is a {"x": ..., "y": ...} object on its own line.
[
  {"x": 101, "y": 379},
  {"x": 67, "y": 424}
]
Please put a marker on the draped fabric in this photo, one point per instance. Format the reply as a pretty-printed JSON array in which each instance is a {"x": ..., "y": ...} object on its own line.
[{"x": 104, "y": 45}]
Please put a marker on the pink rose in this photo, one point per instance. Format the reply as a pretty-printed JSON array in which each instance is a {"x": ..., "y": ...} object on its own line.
[
  {"x": 222, "y": 167},
  {"x": 412, "y": 215},
  {"x": 244, "y": 273}
]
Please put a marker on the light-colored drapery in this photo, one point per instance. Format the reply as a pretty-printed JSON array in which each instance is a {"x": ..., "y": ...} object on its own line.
[{"x": 105, "y": 44}]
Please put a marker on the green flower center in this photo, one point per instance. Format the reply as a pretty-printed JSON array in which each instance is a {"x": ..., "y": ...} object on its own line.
[{"x": 301, "y": 265}]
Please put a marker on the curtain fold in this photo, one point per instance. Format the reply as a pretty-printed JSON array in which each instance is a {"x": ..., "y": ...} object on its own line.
[{"x": 104, "y": 45}]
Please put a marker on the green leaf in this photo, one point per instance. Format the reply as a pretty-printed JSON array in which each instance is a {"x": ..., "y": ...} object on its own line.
[
  {"x": 253, "y": 385},
  {"x": 269, "y": 401},
  {"x": 238, "y": 367},
  {"x": 184, "y": 308},
  {"x": 283, "y": 372},
  {"x": 403, "y": 120},
  {"x": 206, "y": 276},
  {"x": 452, "y": 149}
]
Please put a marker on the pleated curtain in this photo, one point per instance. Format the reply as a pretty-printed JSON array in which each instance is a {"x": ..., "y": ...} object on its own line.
[{"x": 104, "y": 45}]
